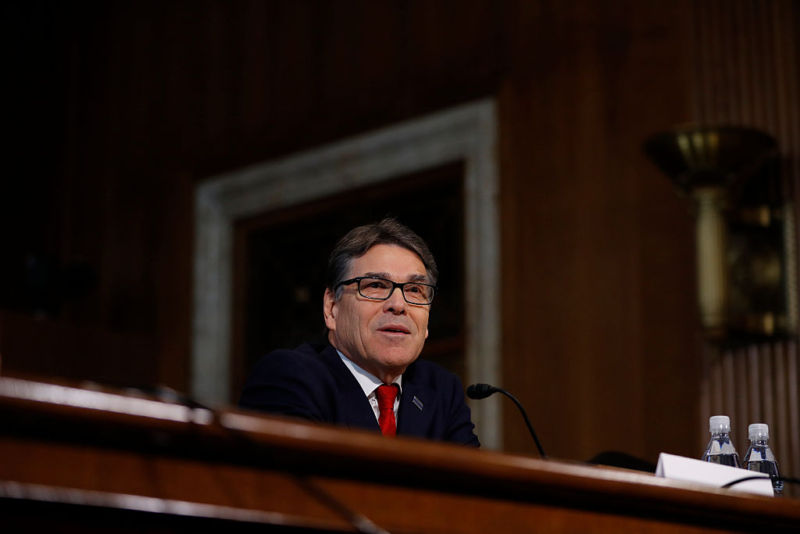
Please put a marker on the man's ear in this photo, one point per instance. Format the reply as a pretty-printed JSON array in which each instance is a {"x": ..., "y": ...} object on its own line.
[
  {"x": 426, "y": 332},
  {"x": 329, "y": 309}
]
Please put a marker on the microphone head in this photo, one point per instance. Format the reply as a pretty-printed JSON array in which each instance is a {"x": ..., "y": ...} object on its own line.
[{"x": 480, "y": 391}]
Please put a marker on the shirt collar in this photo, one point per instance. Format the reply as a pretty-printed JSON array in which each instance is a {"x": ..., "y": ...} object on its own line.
[{"x": 368, "y": 382}]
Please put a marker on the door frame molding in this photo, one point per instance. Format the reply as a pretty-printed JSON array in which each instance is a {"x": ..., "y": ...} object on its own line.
[{"x": 466, "y": 133}]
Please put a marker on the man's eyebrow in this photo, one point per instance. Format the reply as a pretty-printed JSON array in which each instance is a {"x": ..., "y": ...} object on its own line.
[
  {"x": 387, "y": 276},
  {"x": 376, "y": 275}
]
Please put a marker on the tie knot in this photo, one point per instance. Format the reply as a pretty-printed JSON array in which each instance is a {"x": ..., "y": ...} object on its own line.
[{"x": 386, "y": 394}]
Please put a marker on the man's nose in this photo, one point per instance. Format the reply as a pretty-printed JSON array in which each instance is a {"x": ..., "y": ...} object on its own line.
[{"x": 396, "y": 301}]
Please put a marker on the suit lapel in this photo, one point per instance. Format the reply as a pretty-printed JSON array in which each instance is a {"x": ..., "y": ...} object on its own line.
[
  {"x": 354, "y": 409},
  {"x": 416, "y": 409}
]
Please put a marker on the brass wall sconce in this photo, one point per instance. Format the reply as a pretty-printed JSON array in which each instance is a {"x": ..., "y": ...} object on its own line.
[{"x": 745, "y": 244}]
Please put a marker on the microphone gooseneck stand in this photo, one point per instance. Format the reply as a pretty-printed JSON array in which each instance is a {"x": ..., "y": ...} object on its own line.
[{"x": 481, "y": 391}]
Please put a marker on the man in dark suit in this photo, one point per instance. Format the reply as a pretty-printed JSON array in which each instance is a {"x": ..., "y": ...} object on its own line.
[{"x": 380, "y": 283}]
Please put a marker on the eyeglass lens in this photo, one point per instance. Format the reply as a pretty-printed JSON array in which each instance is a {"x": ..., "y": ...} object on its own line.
[{"x": 380, "y": 289}]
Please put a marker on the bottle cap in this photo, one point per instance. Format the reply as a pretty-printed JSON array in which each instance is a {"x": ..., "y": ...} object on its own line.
[
  {"x": 758, "y": 431},
  {"x": 719, "y": 423}
]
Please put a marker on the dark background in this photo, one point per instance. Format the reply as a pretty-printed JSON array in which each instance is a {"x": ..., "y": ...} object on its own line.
[{"x": 115, "y": 111}]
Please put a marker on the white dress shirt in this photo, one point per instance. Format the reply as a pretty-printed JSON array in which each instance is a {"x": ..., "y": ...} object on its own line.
[{"x": 369, "y": 383}]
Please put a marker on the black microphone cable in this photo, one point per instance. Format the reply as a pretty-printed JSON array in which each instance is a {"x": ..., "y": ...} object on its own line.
[
  {"x": 481, "y": 391},
  {"x": 791, "y": 480}
]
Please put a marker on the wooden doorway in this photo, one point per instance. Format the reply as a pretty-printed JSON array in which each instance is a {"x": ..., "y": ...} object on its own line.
[
  {"x": 462, "y": 136},
  {"x": 280, "y": 259}
]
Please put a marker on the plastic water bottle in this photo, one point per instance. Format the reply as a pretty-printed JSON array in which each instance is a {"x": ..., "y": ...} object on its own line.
[
  {"x": 759, "y": 455},
  {"x": 720, "y": 449}
]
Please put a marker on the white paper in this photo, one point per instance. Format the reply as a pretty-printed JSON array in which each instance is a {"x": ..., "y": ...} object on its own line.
[{"x": 691, "y": 470}]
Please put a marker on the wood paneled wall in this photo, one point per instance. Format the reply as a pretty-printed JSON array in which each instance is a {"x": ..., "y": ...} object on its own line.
[
  {"x": 124, "y": 106},
  {"x": 599, "y": 337},
  {"x": 746, "y": 73},
  {"x": 599, "y": 326}
]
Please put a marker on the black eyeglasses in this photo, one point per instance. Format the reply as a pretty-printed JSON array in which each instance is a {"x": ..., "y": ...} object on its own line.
[{"x": 374, "y": 288}]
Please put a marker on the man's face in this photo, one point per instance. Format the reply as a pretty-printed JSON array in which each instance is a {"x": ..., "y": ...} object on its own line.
[{"x": 383, "y": 337}]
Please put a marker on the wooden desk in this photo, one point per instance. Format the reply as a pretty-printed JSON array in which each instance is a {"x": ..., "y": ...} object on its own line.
[{"x": 92, "y": 460}]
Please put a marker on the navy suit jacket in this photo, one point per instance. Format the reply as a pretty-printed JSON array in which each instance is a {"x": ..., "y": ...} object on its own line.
[{"x": 312, "y": 382}]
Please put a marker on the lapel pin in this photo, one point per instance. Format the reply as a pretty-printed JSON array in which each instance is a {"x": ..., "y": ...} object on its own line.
[{"x": 416, "y": 402}]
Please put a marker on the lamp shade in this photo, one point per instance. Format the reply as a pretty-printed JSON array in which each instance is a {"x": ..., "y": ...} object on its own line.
[{"x": 703, "y": 156}]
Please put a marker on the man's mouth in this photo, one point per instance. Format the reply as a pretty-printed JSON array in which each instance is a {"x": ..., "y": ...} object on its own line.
[{"x": 394, "y": 329}]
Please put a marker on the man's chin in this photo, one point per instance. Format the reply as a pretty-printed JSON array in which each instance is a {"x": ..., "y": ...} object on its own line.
[{"x": 397, "y": 361}]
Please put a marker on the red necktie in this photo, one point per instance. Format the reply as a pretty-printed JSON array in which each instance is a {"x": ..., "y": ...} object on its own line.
[{"x": 386, "y": 395}]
